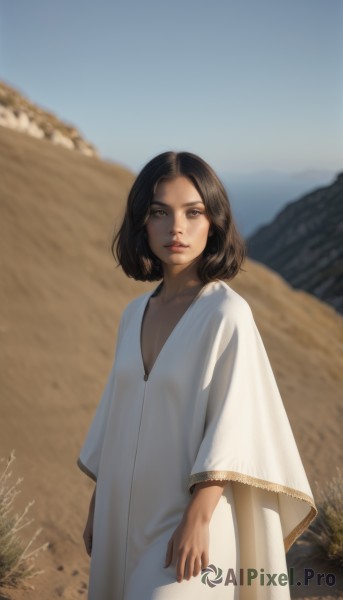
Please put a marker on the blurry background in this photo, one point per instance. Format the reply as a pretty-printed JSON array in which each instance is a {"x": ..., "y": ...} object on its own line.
[
  {"x": 89, "y": 92},
  {"x": 256, "y": 88}
]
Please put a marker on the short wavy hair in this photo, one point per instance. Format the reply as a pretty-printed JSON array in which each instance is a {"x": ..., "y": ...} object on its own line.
[{"x": 225, "y": 250}]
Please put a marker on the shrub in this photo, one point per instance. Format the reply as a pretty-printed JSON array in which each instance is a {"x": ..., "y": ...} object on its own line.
[
  {"x": 17, "y": 560},
  {"x": 326, "y": 533}
]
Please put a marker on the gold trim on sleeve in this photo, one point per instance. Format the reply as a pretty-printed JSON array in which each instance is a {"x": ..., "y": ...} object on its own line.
[
  {"x": 265, "y": 485},
  {"x": 298, "y": 530},
  {"x": 85, "y": 470}
]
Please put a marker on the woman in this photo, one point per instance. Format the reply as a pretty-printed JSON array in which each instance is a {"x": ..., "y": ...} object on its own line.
[{"x": 195, "y": 464}]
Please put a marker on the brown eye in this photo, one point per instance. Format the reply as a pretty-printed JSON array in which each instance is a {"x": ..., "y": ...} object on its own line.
[{"x": 157, "y": 212}]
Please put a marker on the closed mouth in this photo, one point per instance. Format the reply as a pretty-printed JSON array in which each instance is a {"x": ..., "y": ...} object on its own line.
[{"x": 176, "y": 244}]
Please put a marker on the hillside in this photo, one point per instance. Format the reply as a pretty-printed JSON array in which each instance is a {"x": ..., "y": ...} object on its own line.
[
  {"x": 61, "y": 297},
  {"x": 304, "y": 243},
  {"x": 20, "y": 114}
]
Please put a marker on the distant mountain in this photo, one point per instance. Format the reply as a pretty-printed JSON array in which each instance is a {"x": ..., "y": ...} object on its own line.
[
  {"x": 257, "y": 197},
  {"x": 304, "y": 243},
  {"x": 18, "y": 113}
]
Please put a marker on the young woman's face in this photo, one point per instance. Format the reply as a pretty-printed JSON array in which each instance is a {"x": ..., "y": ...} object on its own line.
[{"x": 177, "y": 227}]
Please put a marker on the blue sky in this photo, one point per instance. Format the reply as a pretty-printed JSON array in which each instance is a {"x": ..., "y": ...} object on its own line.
[{"x": 249, "y": 85}]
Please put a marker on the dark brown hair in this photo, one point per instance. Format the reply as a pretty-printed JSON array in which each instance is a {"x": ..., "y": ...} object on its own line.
[{"x": 225, "y": 249}]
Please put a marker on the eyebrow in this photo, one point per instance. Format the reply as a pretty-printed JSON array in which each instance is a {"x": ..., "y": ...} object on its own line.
[{"x": 187, "y": 203}]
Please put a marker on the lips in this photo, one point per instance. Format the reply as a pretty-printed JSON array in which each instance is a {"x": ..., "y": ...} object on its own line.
[{"x": 176, "y": 244}]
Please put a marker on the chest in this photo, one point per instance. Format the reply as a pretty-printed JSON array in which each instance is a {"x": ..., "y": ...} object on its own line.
[{"x": 158, "y": 326}]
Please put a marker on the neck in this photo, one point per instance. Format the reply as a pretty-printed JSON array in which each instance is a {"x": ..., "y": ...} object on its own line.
[{"x": 183, "y": 283}]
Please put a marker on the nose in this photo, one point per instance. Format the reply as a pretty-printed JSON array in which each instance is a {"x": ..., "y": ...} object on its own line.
[{"x": 175, "y": 225}]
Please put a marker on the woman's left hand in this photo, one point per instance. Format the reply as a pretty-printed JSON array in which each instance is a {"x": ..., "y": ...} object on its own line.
[{"x": 189, "y": 546}]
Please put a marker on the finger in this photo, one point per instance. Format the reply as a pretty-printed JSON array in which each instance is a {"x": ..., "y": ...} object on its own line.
[
  {"x": 197, "y": 566},
  {"x": 169, "y": 553},
  {"x": 180, "y": 565},
  {"x": 204, "y": 560},
  {"x": 189, "y": 567}
]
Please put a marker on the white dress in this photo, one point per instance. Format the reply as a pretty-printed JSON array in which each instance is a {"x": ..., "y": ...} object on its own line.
[{"x": 210, "y": 409}]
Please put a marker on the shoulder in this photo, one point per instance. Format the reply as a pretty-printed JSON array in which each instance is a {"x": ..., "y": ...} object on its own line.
[
  {"x": 228, "y": 304},
  {"x": 231, "y": 317},
  {"x": 134, "y": 305}
]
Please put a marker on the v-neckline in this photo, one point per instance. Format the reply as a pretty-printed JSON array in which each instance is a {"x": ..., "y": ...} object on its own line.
[{"x": 176, "y": 326}]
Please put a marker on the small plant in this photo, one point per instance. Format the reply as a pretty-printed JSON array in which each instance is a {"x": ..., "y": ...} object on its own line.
[
  {"x": 17, "y": 561},
  {"x": 326, "y": 533}
]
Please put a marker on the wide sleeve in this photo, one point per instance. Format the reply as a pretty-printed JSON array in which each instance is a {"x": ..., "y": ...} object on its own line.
[
  {"x": 247, "y": 436},
  {"x": 90, "y": 454}
]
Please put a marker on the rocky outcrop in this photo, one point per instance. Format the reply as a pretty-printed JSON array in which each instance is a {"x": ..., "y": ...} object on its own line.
[
  {"x": 304, "y": 243},
  {"x": 16, "y": 112}
]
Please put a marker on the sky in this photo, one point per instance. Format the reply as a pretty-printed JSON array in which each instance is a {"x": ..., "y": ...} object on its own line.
[{"x": 249, "y": 85}]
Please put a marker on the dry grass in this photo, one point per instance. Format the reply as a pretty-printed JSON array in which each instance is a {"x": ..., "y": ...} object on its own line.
[
  {"x": 326, "y": 533},
  {"x": 61, "y": 298},
  {"x": 17, "y": 559}
]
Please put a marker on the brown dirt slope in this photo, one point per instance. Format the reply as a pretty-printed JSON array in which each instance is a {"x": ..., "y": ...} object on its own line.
[{"x": 61, "y": 297}]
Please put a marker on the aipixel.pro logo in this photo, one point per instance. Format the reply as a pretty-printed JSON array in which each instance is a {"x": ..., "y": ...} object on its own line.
[{"x": 212, "y": 576}]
